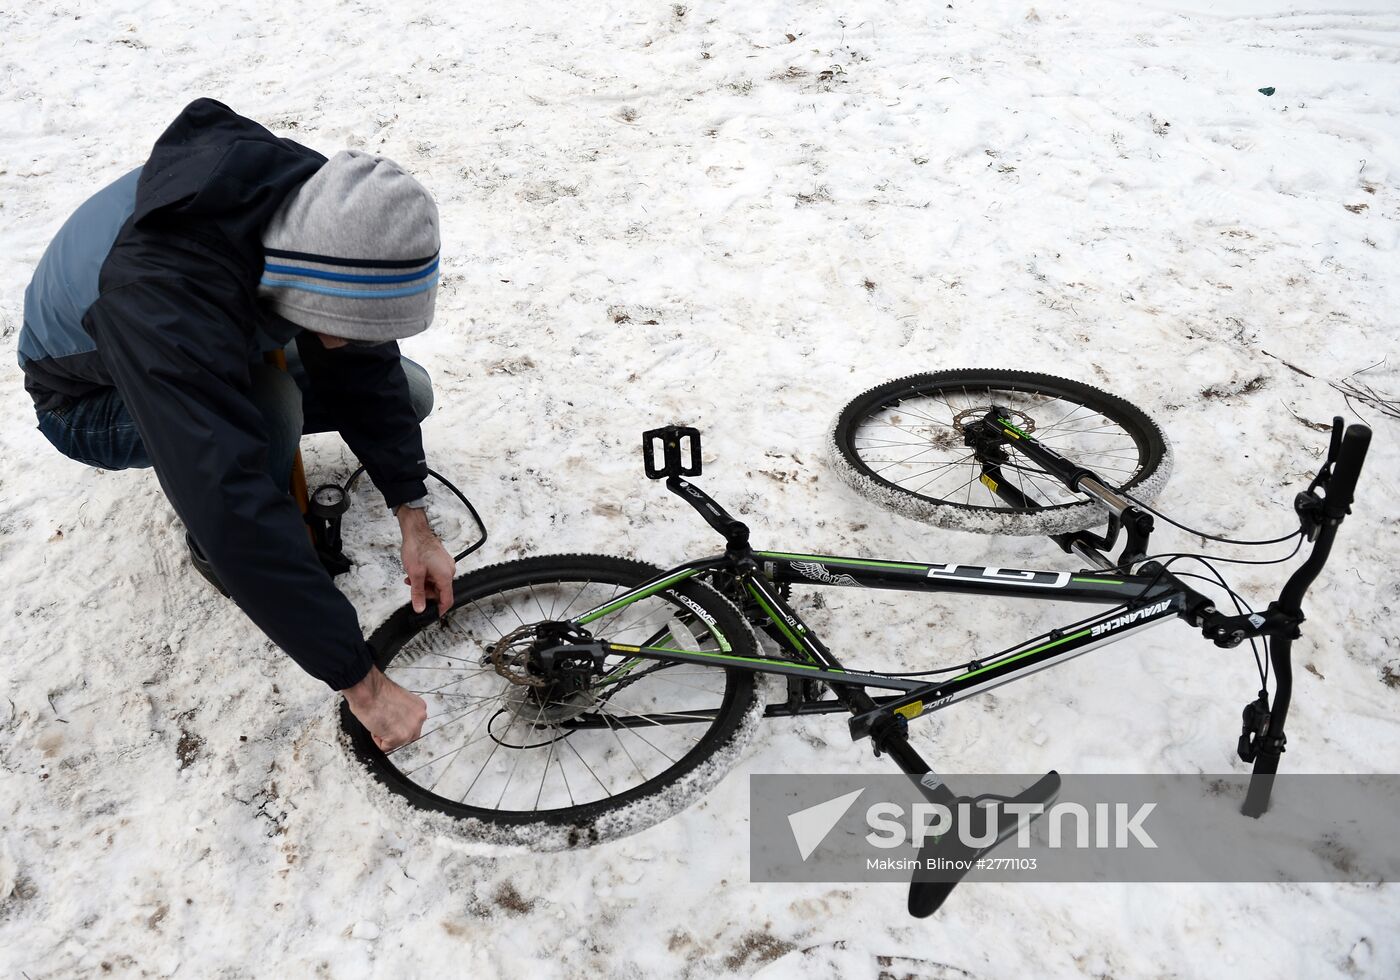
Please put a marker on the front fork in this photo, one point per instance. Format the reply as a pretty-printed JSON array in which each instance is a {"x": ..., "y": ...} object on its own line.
[{"x": 989, "y": 438}]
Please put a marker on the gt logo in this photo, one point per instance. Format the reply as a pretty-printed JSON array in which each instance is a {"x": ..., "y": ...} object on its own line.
[{"x": 1008, "y": 576}]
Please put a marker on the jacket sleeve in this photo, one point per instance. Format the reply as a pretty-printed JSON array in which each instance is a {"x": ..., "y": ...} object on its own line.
[
  {"x": 365, "y": 391},
  {"x": 181, "y": 367}
]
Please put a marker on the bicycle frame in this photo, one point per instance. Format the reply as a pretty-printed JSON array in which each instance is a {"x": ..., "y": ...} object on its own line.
[{"x": 1150, "y": 600}]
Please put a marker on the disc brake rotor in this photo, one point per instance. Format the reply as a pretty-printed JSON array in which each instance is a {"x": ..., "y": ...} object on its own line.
[
  {"x": 511, "y": 656},
  {"x": 1019, "y": 418}
]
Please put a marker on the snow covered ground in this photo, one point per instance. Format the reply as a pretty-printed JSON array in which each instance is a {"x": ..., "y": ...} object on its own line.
[{"x": 736, "y": 214}]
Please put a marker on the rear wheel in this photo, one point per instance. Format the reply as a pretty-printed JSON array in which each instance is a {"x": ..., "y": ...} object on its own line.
[
  {"x": 902, "y": 444},
  {"x": 597, "y": 751}
]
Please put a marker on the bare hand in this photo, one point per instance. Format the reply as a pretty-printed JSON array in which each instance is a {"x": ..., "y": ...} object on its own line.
[
  {"x": 430, "y": 568},
  {"x": 393, "y": 716}
]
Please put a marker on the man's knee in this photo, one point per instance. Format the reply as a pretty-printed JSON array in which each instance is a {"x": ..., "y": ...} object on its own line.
[
  {"x": 278, "y": 398},
  {"x": 97, "y": 431},
  {"x": 420, "y": 388}
]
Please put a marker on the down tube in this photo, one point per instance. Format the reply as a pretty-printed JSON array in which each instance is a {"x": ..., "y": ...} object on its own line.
[{"x": 1046, "y": 651}]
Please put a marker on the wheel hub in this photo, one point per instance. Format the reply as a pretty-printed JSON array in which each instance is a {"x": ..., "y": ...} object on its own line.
[
  {"x": 968, "y": 417},
  {"x": 548, "y": 685}
]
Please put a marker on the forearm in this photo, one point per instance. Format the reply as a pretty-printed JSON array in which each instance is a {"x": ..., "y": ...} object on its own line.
[
  {"x": 428, "y": 567},
  {"x": 364, "y": 693},
  {"x": 413, "y": 521},
  {"x": 269, "y": 569},
  {"x": 367, "y": 395}
]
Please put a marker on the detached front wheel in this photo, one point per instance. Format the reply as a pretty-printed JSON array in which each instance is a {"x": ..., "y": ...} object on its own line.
[{"x": 904, "y": 445}]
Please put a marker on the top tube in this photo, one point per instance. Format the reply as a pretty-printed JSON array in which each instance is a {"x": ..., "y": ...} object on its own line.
[{"x": 871, "y": 573}]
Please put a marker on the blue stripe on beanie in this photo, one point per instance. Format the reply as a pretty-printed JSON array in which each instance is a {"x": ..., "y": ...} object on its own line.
[{"x": 308, "y": 287}]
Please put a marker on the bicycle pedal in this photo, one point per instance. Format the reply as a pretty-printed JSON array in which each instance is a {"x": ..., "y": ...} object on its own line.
[{"x": 680, "y": 451}]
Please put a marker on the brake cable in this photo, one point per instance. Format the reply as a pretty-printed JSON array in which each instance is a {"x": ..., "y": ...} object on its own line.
[
  {"x": 1242, "y": 606},
  {"x": 1203, "y": 534}
]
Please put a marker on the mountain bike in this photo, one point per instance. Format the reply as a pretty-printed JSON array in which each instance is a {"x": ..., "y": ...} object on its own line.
[{"x": 574, "y": 698}]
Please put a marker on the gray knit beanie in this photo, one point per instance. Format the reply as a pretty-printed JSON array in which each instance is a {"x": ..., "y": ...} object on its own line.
[{"x": 353, "y": 252}]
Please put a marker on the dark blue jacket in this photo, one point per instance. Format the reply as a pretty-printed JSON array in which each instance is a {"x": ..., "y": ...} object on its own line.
[{"x": 151, "y": 288}]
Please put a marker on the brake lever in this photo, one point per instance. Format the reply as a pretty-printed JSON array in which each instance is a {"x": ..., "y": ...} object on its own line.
[
  {"x": 1312, "y": 508},
  {"x": 1307, "y": 504},
  {"x": 1338, "y": 427}
]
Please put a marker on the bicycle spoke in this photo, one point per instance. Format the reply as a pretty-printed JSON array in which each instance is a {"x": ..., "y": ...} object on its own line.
[
  {"x": 515, "y": 716},
  {"x": 606, "y": 789},
  {"x": 634, "y": 732},
  {"x": 543, "y": 614},
  {"x": 945, "y": 466},
  {"x": 420, "y": 738},
  {"x": 624, "y": 749},
  {"x": 544, "y": 774},
  {"x": 456, "y": 753},
  {"x": 457, "y": 680},
  {"x": 472, "y": 738},
  {"x": 485, "y": 719}
]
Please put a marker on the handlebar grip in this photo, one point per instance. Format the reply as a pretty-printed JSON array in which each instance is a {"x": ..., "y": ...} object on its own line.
[{"x": 1342, "y": 484}]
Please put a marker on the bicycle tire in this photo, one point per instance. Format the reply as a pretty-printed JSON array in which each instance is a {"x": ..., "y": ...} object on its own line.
[
  {"x": 407, "y": 638},
  {"x": 1143, "y": 469}
]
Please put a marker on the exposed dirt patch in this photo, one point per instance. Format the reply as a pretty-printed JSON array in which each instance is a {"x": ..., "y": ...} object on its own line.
[
  {"x": 512, "y": 901},
  {"x": 24, "y": 890},
  {"x": 645, "y": 315},
  {"x": 760, "y": 947},
  {"x": 1337, "y": 854},
  {"x": 190, "y": 746},
  {"x": 546, "y": 192},
  {"x": 1234, "y": 389}
]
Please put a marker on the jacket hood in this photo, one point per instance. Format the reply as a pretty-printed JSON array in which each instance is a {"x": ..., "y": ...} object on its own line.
[{"x": 219, "y": 177}]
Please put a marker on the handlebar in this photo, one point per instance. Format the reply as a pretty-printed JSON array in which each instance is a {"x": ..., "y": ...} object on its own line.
[
  {"x": 1321, "y": 516},
  {"x": 1263, "y": 738},
  {"x": 1345, "y": 469}
]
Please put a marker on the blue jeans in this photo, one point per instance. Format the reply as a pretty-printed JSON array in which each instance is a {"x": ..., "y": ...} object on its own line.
[{"x": 98, "y": 430}]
